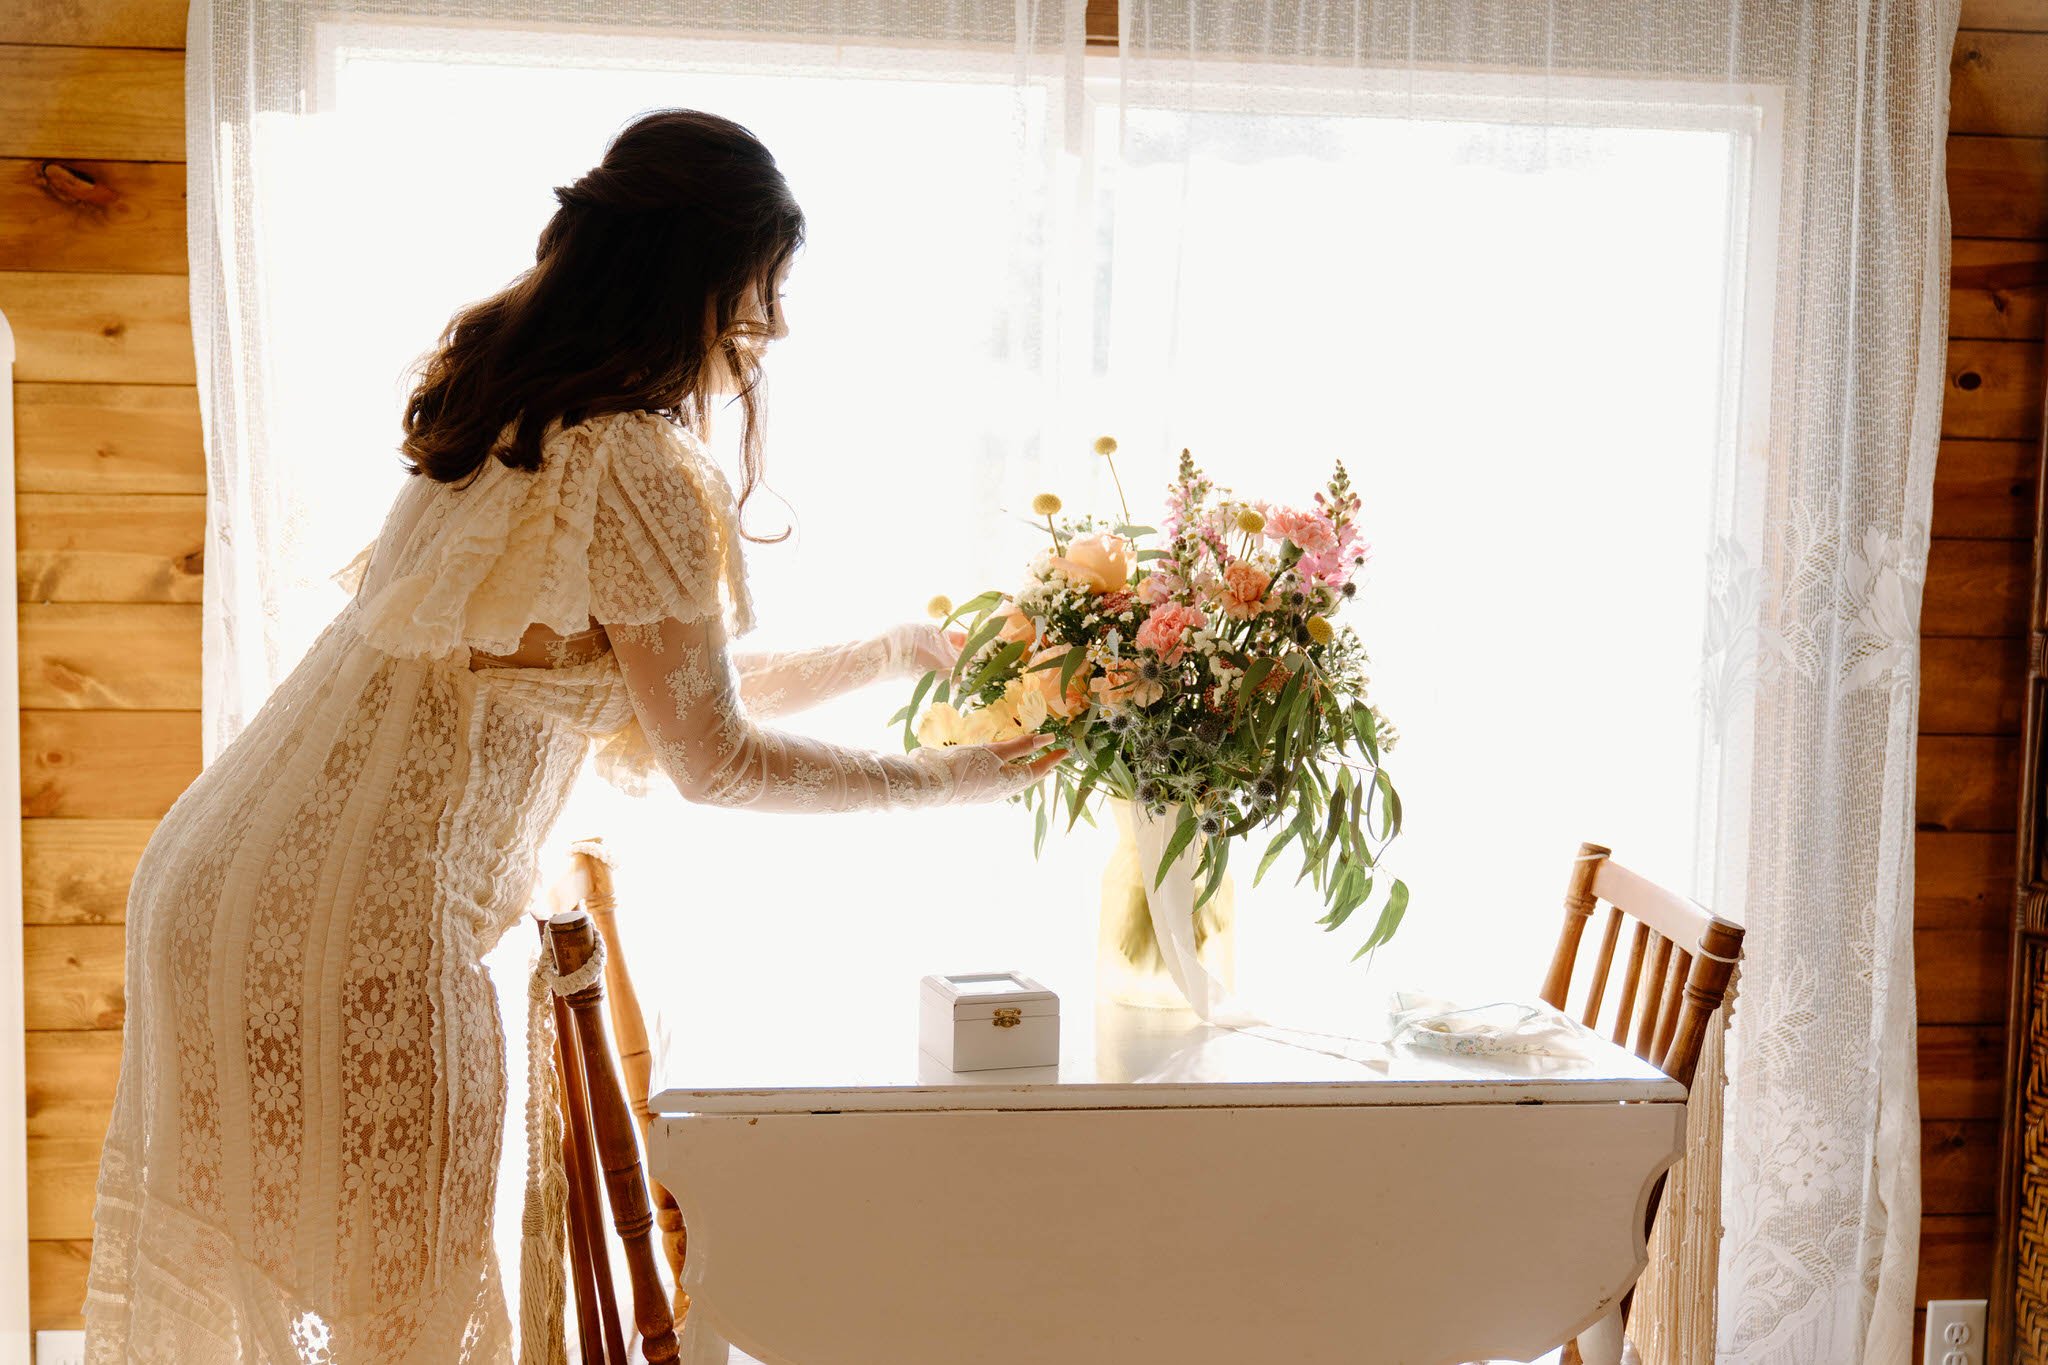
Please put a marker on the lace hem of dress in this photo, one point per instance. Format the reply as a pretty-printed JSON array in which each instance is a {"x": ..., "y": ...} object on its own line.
[{"x": 206, "y": 1305}]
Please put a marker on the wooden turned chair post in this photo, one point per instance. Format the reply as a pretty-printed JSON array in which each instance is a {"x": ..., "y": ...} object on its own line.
[
  {"x": 629, "y": 1033},
  {"x": 1578, "y": 908},
  {"x": 1680, "y": 961},
  {"x": 601, "y": 1138}
]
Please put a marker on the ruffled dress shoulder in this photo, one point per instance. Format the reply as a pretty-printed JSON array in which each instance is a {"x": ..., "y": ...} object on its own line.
[{"x": 628, "y": 520}]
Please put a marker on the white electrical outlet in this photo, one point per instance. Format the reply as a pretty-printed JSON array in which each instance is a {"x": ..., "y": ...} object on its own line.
[
  {"x": 60, "y": 1348},
  {"x": 1955, "y": 1332}
]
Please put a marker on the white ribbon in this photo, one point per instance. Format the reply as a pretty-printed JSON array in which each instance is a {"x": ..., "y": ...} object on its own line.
[{"x": 1172, "y": 903}]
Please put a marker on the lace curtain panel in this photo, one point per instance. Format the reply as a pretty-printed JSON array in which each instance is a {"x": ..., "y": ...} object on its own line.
[
  {"x": 1627, "y": 318},
  {"x": 1831, "y": 121}
]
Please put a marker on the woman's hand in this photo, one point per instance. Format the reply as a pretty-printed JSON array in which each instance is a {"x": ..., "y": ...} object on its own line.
[
  {"x": 917, "y": 648},
  {"x": 1029, "y": 754}
]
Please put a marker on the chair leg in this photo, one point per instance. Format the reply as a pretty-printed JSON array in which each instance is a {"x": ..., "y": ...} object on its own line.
[
  {"x": 1600, "y": 1344},
  {"x": 702, "y": 1346}
]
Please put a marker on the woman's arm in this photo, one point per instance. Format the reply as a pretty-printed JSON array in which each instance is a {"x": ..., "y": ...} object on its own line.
[
  {"x": 775, "y": 684},
  {"x": 684, "y": 690}
]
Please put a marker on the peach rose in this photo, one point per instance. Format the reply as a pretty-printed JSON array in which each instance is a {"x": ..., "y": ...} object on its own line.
[
  {"x": 1243, "y": 591},
  {"x": 1017, "y": 625},
  {"x": 1043, "y": 675},
  {"x": 1165, "y": 631},
  {"x": 1120, "y": 685},
  {"x": 1101, "y": 562}
]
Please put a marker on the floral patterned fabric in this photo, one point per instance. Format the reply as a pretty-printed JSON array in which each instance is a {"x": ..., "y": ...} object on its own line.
[{"x": 304, "y": 1145}]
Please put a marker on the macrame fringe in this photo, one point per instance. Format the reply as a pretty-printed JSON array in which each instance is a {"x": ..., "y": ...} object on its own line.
[{"x": 1677, "y": 1302}]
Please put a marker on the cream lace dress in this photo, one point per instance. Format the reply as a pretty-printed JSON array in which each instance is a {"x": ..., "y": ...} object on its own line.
[{"x": 304, "y": 1144}]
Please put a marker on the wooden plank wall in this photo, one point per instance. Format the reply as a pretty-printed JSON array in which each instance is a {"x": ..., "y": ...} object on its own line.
[
  {"x": 110, "y": 514},
  {"x": 110, "y": 488},
  {"x": 1973, "y": 623}
]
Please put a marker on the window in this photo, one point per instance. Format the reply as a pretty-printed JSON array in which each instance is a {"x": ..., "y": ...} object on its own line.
[{"x": 1527, "y": 329}]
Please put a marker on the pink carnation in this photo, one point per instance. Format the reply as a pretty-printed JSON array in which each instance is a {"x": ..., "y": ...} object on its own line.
[
  {"x": 1164, "y": 632},
  {"x": 1312, "y": 531}
]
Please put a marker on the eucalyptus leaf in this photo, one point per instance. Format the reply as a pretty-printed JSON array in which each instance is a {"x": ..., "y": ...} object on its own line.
[
  {"x": 1183, "y": 835},
  {"x": 909, "y": 712}
]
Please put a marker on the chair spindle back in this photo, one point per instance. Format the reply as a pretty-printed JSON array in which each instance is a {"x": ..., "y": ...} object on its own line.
[
  {"x": 600, "y": 1140},
  {"x": 1680, "y": 960}
]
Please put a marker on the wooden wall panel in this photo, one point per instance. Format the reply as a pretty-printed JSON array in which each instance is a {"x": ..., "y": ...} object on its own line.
[
  {"x": 1971, "y": 685},
  {"x": 99, "y": 328},
  {"x": 1961, "y": 974},
  {"x": 2029, "y": 16},
  {"x": 1959, "y": 1164},
  {"x": 92, "y": 215},
  {"x": 104, "y": 656},
  {"x": 95, "y": 103},
  {"x": 110, "y": 483},
  {"x": 1977, "y": 588},
  {"x": 1996, "y": 85},
  {"x": 70, "y": 1102},
  {"x": 1974, "y": 625},
  {"x": 56, "y": 1283},
  {"x": 77, "y": 871},
  {"x": 144, "y": 438},
  {"x": 73, "y": 975},
  {"x": 126, "y": 764},
  {"x": 1966, "y": 782},
  {"x": 1997, "y": 289},
  {"x": 1985, "y": 489},
  {"x": 1963, "y": 881},
  {"x": 94, "y": 23},
  {"x": 1962, "y": 1071},
  {"x": 1998, "y": 186},
  {"x": 1994, "y": 390},
  {"x": 1955, "y": 1255},
  {"x": 118, "y": 547},
  {"x": 71, "y": 1083}
]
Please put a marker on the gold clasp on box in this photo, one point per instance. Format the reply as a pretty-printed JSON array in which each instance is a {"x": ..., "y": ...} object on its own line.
[{"x": 1009, "y": 1018}]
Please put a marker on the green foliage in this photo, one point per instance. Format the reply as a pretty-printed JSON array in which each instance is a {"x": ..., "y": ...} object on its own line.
[{"x": 1259, "y": 724}]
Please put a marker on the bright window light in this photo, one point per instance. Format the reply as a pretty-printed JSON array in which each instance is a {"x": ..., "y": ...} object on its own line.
[{"x": 1522, "y": 342}]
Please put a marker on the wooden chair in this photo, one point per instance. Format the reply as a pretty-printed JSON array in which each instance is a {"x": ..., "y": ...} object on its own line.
[
  {"x": 600, "y": 1135},
  {"x": 1681, "y": 959}
]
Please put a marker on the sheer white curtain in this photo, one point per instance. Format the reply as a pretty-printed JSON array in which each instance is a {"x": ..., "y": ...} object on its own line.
[{"x": 1629, "y": 319}]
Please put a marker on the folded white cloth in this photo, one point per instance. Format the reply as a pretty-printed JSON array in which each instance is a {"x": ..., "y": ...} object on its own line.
[{"x": 1502, "y": 1026}]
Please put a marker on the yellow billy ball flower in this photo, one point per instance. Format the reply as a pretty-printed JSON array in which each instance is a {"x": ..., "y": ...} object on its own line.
[
  {"x": 1320, "y": 630},
  {"x": 1105, "y": 445},
  {"x": 940, "y": 607},
  {"x": 1250, "y": 522},
  {"x": 1046, "y": 505}
]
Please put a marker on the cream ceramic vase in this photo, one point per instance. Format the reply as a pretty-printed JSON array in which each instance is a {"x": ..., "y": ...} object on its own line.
[{"x": 1129, "y": 967}]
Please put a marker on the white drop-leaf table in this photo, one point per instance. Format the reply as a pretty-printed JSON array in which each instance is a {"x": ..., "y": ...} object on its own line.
[{"x": 1169, "y": 1193}]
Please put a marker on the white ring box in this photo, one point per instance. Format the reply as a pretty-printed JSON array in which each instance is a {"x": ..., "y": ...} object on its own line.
[{"x": 985, "y": 1021}]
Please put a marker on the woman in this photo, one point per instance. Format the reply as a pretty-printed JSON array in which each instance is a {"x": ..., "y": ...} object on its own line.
[{"x": 305, "y": 1139}]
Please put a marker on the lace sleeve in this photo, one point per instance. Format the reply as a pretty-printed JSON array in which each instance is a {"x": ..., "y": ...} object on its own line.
[
  {"x": 687, "y": 697},
  {"x": 775, "y": 684}
]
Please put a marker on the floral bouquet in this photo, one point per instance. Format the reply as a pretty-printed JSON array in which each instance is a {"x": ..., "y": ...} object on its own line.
[{"x": 1200, "y": 678}]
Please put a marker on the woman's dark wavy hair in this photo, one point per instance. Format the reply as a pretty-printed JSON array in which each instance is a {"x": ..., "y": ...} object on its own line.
[{"x": 642, "y": 272}]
